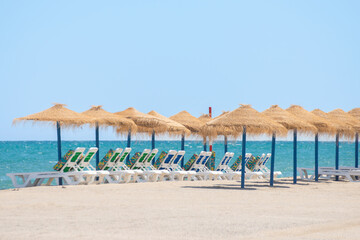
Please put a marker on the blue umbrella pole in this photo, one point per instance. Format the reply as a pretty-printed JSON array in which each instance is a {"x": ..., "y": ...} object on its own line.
[
  {"x": 97, "y": 142},
  {"x": 243, "y": 158},
  {"x": 58, "y": 129},
  {"x": 153, "y": 145},
  {"x": 357, "y": 150},
  {"x": 316, "y": 157},
  {"x": 272, "y": 160},
  {"x": 205, "y": 145},
  {"x": 337, "y": 155},
  {"x": 128, "y": 145},
  {"x": 225, "y": 144},
  {"x": 295, "y": 157},
  {"x": 182, "y": 148}
]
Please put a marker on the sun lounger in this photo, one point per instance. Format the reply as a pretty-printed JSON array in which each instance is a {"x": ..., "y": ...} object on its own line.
[
  {"x": 261, "y": 166},
  {"x": 171, "y": 165},
  {"x": 199, "y": 166},
  {"x": 248, "y": 174},
  {"x": 323, "y": 172},
  {"x": 150, "y": 173},
  {"x": 65, "y": 172},
  {"x": 119, "y": 172},
  {"x": 113, "y": 159}
]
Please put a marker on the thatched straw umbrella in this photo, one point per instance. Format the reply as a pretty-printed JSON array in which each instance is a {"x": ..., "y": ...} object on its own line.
[
  {"x": 356, "y": 114},
  {"x": 347, "y": 120},
  {"x": 174, "y": 128},
  {"x": 61, "y": 116},
  {"x": 242, "y": 120},
  {"x": 105, "y": 118},
  {"x": 290, "y": 122},
  {"x": 145, "y": 123},
  {"x": 322, "y": 125},
  {"x": 190, "y": 122}
]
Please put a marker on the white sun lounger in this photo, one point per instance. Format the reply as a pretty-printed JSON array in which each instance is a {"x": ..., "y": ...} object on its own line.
[
  {"x": 69, "y": 177},
  {"x": 114, "y": 158},
  {"x": 88, "y": 170},
  {"x": 150, "y": 173},
  {"x": 176, "y": 172},
  {"x": 119, "y": 172},
  {"x": 199, "y": 166},
  {"x": 248, "y": 174},
  {"x": 326, "y": 172},
  {"x": 223, "y": 167},
  {"x": 261, "y": 166}
]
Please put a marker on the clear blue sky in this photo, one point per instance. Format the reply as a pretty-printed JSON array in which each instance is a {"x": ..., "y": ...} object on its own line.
[{"x": 174, "y": 55}]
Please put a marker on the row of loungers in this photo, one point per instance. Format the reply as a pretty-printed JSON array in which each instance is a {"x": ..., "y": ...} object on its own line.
[
  {"x": 351, "y": 174},
  {"x": 75, "y": 168}
]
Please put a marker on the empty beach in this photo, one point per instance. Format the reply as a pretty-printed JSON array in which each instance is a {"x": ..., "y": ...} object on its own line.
[{"x": 184, "y": 210}]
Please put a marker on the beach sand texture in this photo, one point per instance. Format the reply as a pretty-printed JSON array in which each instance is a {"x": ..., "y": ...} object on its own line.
[{"x": 184, "y": 210}]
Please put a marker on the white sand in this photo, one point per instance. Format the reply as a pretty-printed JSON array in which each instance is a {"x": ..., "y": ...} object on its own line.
[{"x": 183, "y": 210}]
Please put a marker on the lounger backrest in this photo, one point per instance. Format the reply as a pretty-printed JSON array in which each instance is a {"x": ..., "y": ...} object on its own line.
[
  {"x": 168, "y": 159},
  {"x": 114, "y": 158},
  {"x": 176, "y": 160},
  {"x": 85, "y": 161},
  {"x": 247, "y": 157},
  {"x": 223, "y": 163},
  {"x": 71, "y": 163},
  {"x": 150, "y": 158},
  {"x": 140, "y": 161},
  {"x": 231, "y": 155},
  {"x": 201, "y": 161},
  {"x": 122, "y": 157},
  {"x": 268, "y": 156}
]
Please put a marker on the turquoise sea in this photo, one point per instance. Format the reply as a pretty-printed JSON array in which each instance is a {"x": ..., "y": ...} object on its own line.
[{"x": 37, "y": 156}]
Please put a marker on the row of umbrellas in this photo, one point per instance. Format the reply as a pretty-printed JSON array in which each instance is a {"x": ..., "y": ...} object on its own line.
[{"x": 274, "y": 121}]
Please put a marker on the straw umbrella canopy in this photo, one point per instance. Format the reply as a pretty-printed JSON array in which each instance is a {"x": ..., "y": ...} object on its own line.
[
  {"x": 290, "y": 122},
  {"x": 174, "y": 128},
  {"x": 242, "y": 120},
  {"x": 233, "y": 123},
  {"x": 205, "y": 118},
  {"x": 323, "y": 126},
  {"x": 60, "y": 115},
  {"x": 342, "y": 128},
  {"x": 356, "y": 114},
  {"x": 105, "y": 118},
  {"x": 190, "y": 122},
  {"x": 145, "y": 123}
]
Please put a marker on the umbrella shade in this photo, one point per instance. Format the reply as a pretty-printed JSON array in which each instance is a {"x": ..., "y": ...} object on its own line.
[
  {"x": 145, "y": 123},
  {"x": 189, "y": 121},
  {"x": 173, "y": 127},
  {"x": 341, "y": 127},
  {"x": 232, "y": 123},
  {"x": 322, "y": 124},
  {"x": 58, "y": 113},
  {"x": 105, "y": 118},
  {"x": 288, "y": 120}
]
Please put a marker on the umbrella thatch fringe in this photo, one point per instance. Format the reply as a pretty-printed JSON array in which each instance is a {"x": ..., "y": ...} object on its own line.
[
  {"x": 232, "y": 124},
  {"x": 58, "y": 113},
  {"x": 323, "y": 125},
  {"x": 190, "y": 122},
  {"x": 104, "y": 118},
  {"x": 344, "y": 130},
  {"x": 288, "y": 120}
]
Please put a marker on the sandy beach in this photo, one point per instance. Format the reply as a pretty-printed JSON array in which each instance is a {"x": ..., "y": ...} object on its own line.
[{"x": 183, "y": 210}]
